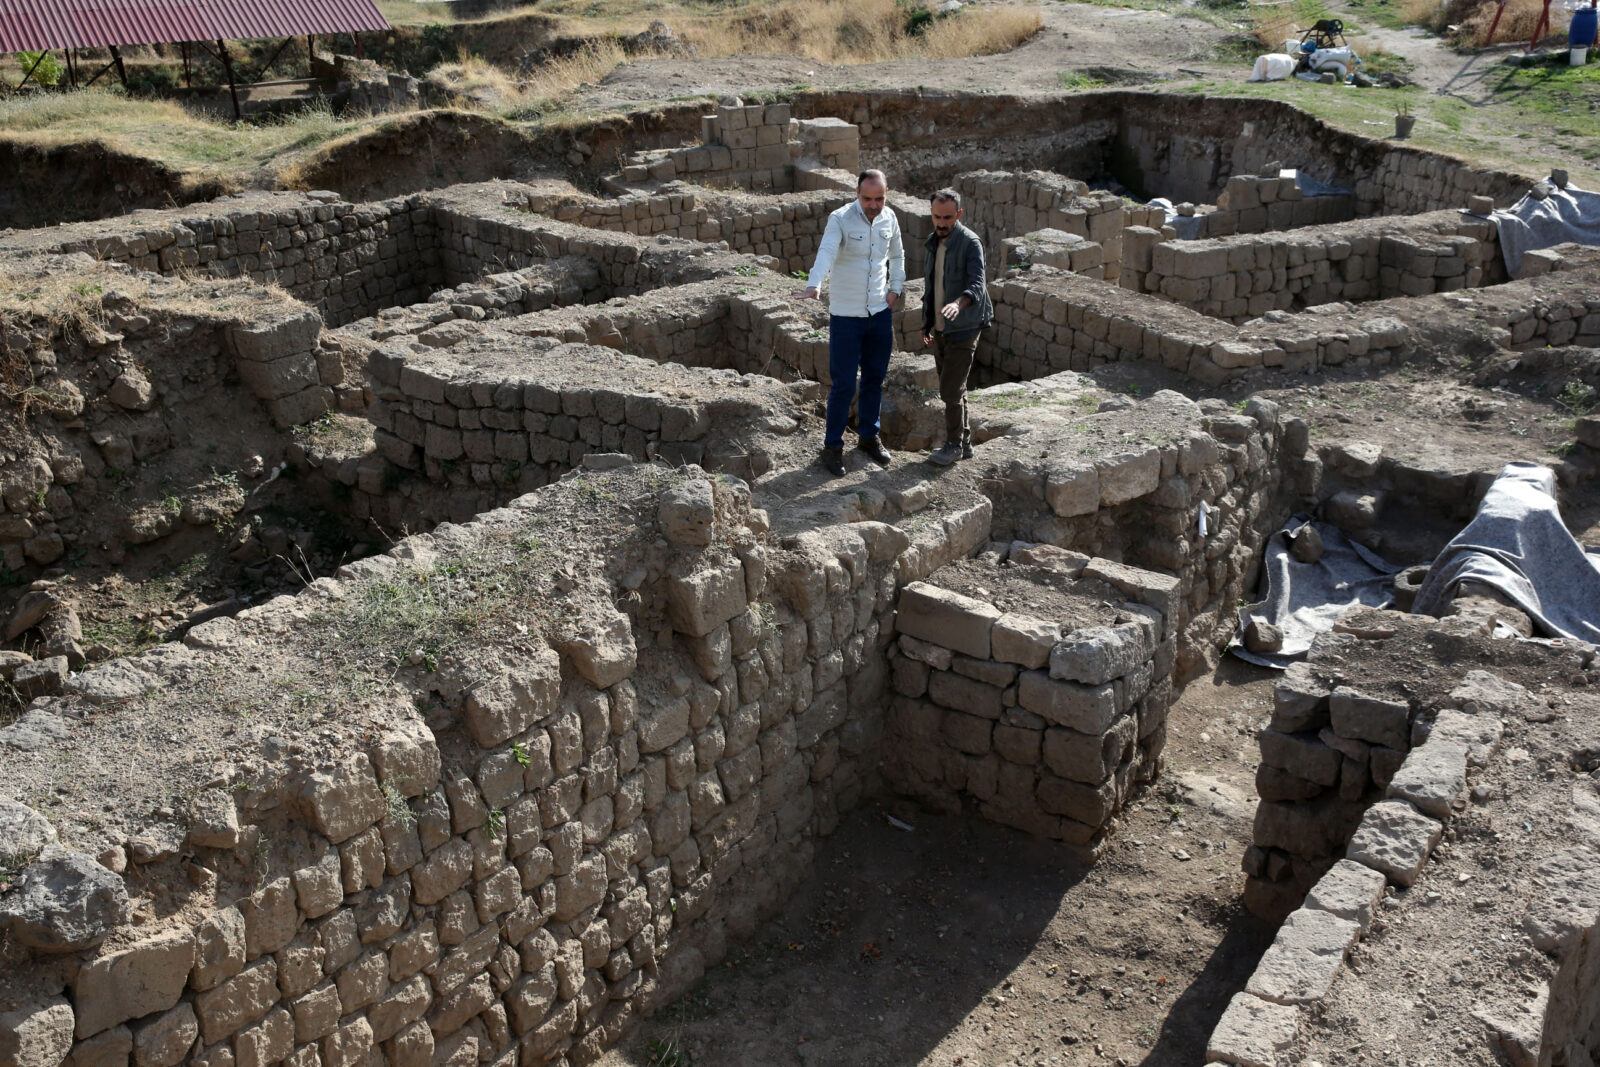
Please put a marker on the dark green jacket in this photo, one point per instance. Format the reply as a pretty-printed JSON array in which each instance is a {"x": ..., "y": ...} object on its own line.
[{"x": 964, "y": 276}]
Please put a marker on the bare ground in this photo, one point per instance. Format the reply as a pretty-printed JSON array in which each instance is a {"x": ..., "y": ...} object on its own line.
[{"x": 960, "y": 942}]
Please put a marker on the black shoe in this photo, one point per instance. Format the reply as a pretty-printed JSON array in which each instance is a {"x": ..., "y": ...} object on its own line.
[
  {"x": 875, "y": 449},
  {"x": 966, "y": 449},
  {"x": 947, "y": 454},
  {"x": 833, "y": 461}
]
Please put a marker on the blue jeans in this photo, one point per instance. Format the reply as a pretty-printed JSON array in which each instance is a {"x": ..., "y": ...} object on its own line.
[{"x": 857, "y": 346}]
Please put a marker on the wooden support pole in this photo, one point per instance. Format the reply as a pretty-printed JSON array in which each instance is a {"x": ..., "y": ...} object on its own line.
[
  {"x": 233, "y": 90},
  {"x": 188, "y": 75},
  {"x": 122, "y": 71}
]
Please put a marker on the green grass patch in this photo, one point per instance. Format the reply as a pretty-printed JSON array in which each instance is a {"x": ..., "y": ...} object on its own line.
[
  {"x": 1077, "y": 80},
  {"x": 1559, "y": 97}
]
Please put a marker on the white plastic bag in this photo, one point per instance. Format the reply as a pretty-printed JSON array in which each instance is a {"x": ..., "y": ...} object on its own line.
[{"x": 1272, "y": 67}]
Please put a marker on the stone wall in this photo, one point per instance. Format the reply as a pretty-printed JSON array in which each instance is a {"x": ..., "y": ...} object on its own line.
[
  {"x": 752, "y": 147},
  {"x": 570, "y": 835},
  {"x": 1237, "y": 278},
  {"x": 348, "y": 260},
  {"x": 1001, "y": 204},
  {"x": 1040, "y": 719}
]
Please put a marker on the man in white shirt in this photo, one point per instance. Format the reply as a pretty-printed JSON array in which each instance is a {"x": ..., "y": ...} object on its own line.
[{"x": 862, "y": 252}]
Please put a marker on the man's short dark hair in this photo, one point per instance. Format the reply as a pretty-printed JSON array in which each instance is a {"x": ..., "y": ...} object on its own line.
[
  {"x": 946, "y": 196},
  {"x": 873, "y": 176}
]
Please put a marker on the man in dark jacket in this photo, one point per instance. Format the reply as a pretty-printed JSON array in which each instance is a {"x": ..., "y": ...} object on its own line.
[{"x": 955, "y": 309}]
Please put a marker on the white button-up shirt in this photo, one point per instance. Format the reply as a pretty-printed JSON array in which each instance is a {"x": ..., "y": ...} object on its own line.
[{"x": 867, "y": 261}]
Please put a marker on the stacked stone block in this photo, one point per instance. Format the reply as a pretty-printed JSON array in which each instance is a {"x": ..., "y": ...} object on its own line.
[
  {"x": 1001, "y": 204},
  {"x": 1245, "y": 277},
  {"x": 1251, "y": 203},
  {"x": 1056, "y": 249},
  {"x": 347, "y": 259},
  {"x": 1418, "y": 782},
  {"x": 830, "y": 143},
  {"x": 751, "y": 147},
  {"x": 1036, "y": 722}
]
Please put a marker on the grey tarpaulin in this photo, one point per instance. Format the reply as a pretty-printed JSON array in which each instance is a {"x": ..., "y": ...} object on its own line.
[
  {"x": 1304, "y": 599},
  {"x": 1569, "y": 214},
  {"x": 1518, "y": 544}
]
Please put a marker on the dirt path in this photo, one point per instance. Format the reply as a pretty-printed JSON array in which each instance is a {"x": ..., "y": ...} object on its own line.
[{"x": 964, "y": 943}]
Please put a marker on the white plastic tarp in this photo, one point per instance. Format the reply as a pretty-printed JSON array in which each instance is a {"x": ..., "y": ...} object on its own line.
[
  {"x": 1569, "y": 214},
  {"x": 1305, "y": 599},
  {"x": 1518, "y": 544}
]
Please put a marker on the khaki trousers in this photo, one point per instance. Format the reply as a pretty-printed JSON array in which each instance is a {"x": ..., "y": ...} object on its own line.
[{"x": 953, "y": 359}]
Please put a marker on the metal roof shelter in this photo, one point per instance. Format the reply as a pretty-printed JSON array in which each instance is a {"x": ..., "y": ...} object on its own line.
[{"x": 44, "y": 25}]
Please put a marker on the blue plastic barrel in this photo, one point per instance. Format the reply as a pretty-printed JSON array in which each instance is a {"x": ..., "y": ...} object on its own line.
[{"x": 1584, "y": 22}]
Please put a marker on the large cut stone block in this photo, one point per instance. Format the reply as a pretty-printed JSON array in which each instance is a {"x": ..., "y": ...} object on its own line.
[
  {"x": 132, "y": 982},
  {"x": 1433, "y": 778},
  {"x": 1253, "y": 1032},
  {"x": 1300, "y": 965},
  {"x": 1350, "y": 891},
  {"x": 706, "y": 597},
  {"x": 1088, "y": 709},
  {"x": 1395, "y": 838},
  {"x": 1100, "y": 653},
  {"x": 504, "y": 705},
  {"x": 947, "y": 619},
  {"x": 1383, "y": 722}
]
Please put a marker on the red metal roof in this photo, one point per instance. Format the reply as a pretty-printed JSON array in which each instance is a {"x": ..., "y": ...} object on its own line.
[{"x": 42, "y": 24}]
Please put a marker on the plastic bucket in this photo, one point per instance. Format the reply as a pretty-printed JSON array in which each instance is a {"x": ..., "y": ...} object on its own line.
[{"x": 1577, "y": 57}]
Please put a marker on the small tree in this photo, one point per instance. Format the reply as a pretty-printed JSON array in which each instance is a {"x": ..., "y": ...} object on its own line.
[{"x": 48, "y": 71}]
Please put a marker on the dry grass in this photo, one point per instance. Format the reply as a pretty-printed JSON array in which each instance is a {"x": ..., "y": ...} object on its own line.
[
  {"x": 1517, "y": 24},
  {"x": 163, "y": 130},
  {"x": 493, "y": 88},
  {"x": 1430, "y": 14},
  {"x": 860, "y": 31}
]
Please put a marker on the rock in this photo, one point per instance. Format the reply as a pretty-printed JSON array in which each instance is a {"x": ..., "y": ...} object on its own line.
[
  {"x": 1482, "y": 693},
  {"x": 1262, "y": 637},
  {"x": 131, "y": 391},
  {"x": 1478, "y": 734},
  {"x": 1407, "y": 584},
  {"x": 1382, "y": 722},
  {"x": 213, "y": 820},
  {"x": 1349, "y": 890},
  {"x": 1300, "y": 965},
  {"x": 1052, "y": 558},
  {"x": 1299, "y": 700},
  {"x": 1433, "y": 778},
  {"x": 41, "y": 677},
  {"x": 688, "y": 513},
  {"x": 24, "y": 833},
  {"x": 1567, "y": 907},
  {"x": 37, "y": 1033},
  {"x": 1305, "y": 544},
  {"x": 602, "y": 646},
  {"x": 113, "y": 683},
  {"x": 1098, "y": 654},
  {"x": 38, "y": 728},
  {"x": 1253, "y": 1032},
  {"x": 9, "y": 662},
  {"x": 30, "y": 611},
  {"x": 165, "y": 1040},
  {"x": 66, "y": 902},
  {"x": 1395, "y": 838},
  {"x": 948, "y": 619}
]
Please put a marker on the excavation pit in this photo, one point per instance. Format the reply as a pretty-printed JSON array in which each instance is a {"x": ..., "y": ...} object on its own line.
[{"x": 523, "y": 778}]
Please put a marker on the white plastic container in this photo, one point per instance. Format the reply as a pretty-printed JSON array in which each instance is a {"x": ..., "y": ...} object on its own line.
[{"x": 1577, "y": 57}]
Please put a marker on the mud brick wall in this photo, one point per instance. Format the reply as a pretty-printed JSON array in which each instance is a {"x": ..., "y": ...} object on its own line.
[
  {"x": 346, "y": 259},
  {"x": 1132, "y": 498},
  {"x": 785, "y": 226},
  {"x": 1244, "y": 277},
  {"x": 1036, "y": 722},
  {"x": 1185, "y": 150}
]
